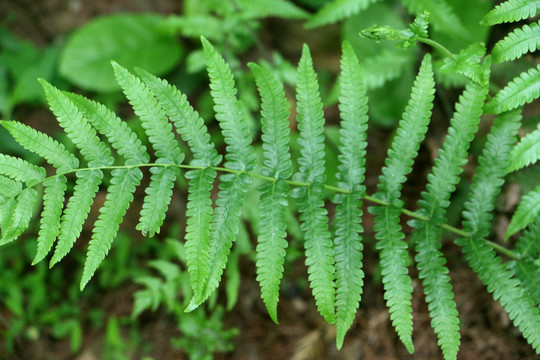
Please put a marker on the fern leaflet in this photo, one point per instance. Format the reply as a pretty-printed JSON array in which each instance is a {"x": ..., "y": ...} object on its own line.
[
  {"x": 43, "y": 145},
  {"x": 273, "y": 195},
  {"x": 21, "y": 170},
  {"x": 441, "y": 15},
  {"x": 313, "y": 215},
  {"x": 53, "y": 204},
  {"x": 348, "y": 243},
  {"x": 16, "y": 216},
  {"x": 481, "y": 257},
  {"x": 77, "y": 128},
  {"x": 394, "y": 258},
  {"x": 511, "y": 11},
  {"x": 517, "y": 43},
  {"x": 526, "y": 152},
  {"x": 76, "y": 212},
  {"x": 521, "y": 90},
  {"x": 8, "y": 187},
  {"x": 527, "y": 211},
  {"x": 119, "y": 196},
  {"x": 527, "y": 271}
]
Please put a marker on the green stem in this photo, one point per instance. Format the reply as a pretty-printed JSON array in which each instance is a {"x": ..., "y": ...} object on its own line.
[
  {"x": 438, "y": 46},
  {"x": 369, "y": 198}
]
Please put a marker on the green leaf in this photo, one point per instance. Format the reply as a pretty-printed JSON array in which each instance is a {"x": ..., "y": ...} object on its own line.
[
  {"x": 53, "y": 204},
  {"x": 9, "y": 188},
  {"x": 16, "y": 218},
  {"x": 518, "y": 42},
  {"x": 77, "y": 128},
  {"x": 186, "y": 120},
  {"x": 394, "y": 257},
  {"x": 313, "y": 214},
  {"x": 478, "y": 219},
  {"x": 273, "y": 196},
  {"x": 119, "y": 196},
  {"x": 526, "y": 152},
  {"x": 337, "y": 10},
  {"x": 85, "y": 60},
  {"x": 523, "y": 89},
  {"x": 469, "y": 63},
  {"x": 43, "y": 145},
  {"x": 76, "y": 212},
  {"x": 348, "y": 242},
  {"x": 232, "y": 120},
  {"x": 284, "y": 9},
  {"x": 527, "y": 211},
  {"x": 511, "y": 11},
  {"x": 21, "y": 170},
  {"x": 120, "y": 136}
]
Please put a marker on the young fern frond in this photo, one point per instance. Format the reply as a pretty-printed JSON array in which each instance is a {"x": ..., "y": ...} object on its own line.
[
  {"x": 273, "y": 195},
  {"x": 511, "y": 11},
  {"x": 478, "y": 215},
  {"x": 337, "y": 10},
  {"x": 517, "y": 43},
  {"x": 526, "y": 213},
  {"x": 441, "y": 183},
  {"x": 394, "y": 256},
  {"x": 240, "y": 156},
  {"x": 313, "y": 214},
  {"x": 353, "y": 105},
  {"x": 523, "y": 89},
  {"x": 526, "y": 152}
]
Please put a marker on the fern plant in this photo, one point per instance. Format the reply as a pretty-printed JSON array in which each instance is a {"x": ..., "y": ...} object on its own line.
[{"x": 334, "y": 262}]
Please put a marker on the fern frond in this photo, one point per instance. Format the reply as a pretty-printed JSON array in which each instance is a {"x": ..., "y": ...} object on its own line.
[
  {"x": 523, "y": 89},
  {"x": 77, "y": 128},
  {"x": 119, "y": 196},
  {"x": 240, "y": 156},
  {"x": 511, "y": 11},
  {"x": 394, "y": 258},
  {"x": 478, "y": 216},
  {"x": 199, "y": 207},
  {"x": 159, "y": 131},
  {"x": 43, "y": 145},
  {"x": 53, "y": 204},
  {"x": 118, "y": 133},
  {"x": 76, "y": 212},
  {"x": 526, "y": 212},
  {"x": 313, "y": 214},
  {"x": 518, "y": 42},
  {"x": 353, "y": 105},
  {"x": 280, "y": 8},
  {"x": 9, "y": 188},
  {"x": 273, "y": 196},
  {"x": 232, "y": 120},
  {"x": 337, "y": 10},
  {"x": 528, "y": 244},
  {"x": 16, "y": 218},
  {"x": 21, "y": 170},
  {"x": 442, "y": 16},
  {"x": 526, "y": 152}
]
